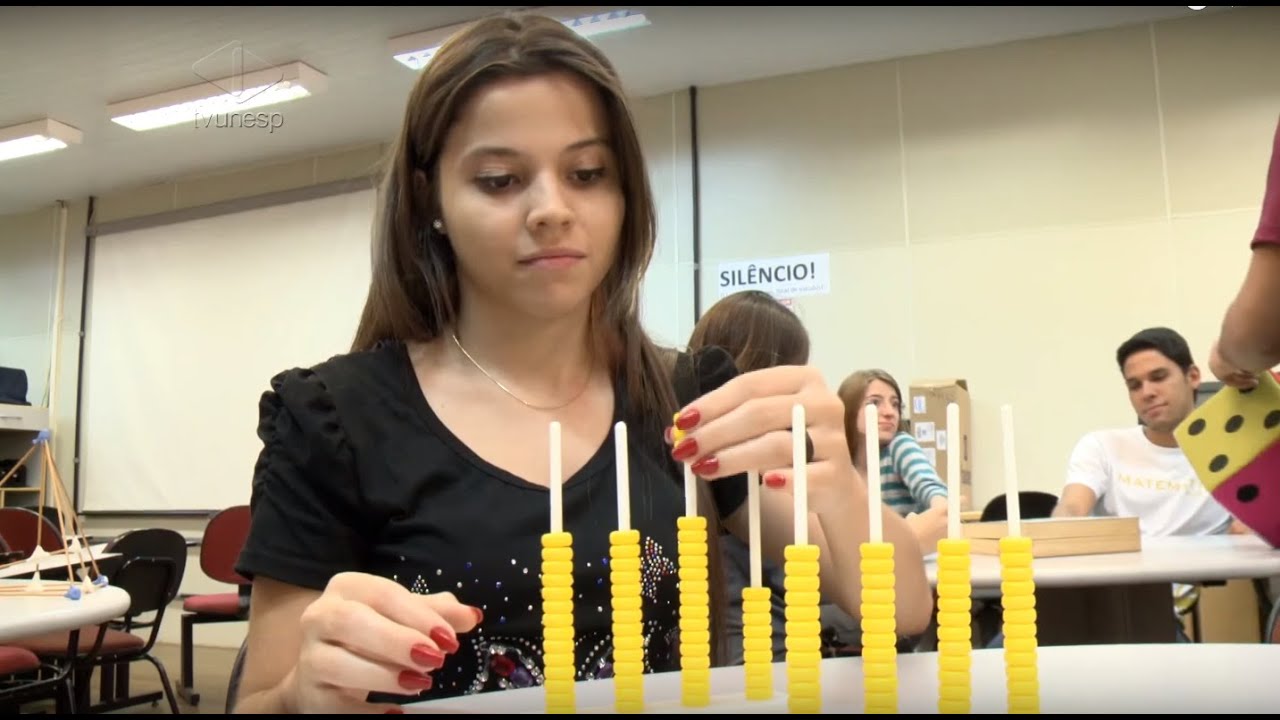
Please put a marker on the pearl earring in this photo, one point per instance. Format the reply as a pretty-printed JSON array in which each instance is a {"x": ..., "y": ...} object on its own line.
[{"x": 438, "y": 225}]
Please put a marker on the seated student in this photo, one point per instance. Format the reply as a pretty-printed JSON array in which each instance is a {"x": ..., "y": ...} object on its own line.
[
  {"x": 759, "y": 332},
  {"x": 1139, "y": 470},
  {"x": 908, "y": 481},
  {"x": 401, "y": 494}
]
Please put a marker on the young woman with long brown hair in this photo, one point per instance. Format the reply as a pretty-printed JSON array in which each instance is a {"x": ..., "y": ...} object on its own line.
[{"x": 402, "y": 488}]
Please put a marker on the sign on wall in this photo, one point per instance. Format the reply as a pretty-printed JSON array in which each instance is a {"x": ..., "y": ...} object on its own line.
[{"x": 784, "y": 277}]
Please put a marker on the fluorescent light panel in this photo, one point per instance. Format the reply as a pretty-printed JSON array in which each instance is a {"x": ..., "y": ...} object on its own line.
[
  {"x": 416, "y": 50},
  {"x": 260, "y": 88},
  {"x": 37, "y": 137}
]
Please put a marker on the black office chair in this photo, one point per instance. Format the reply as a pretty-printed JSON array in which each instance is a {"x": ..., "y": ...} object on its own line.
[
  {"x": 147, "y": 542},
  {"x": 1032, "y": 505}
]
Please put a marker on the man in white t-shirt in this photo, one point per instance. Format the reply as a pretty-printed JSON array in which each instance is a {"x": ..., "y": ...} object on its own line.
[{"x": 1140, "y": 471}]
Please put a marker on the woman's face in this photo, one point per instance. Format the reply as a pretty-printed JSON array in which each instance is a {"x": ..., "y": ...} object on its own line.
[
  {"x": 530, "y": 195},
  {"x": 888, "y": 410}
]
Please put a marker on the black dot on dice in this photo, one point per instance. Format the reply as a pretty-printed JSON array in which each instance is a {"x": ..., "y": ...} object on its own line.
[
  {"x": 1218, "y": 463},
  {"x": 1273, "y": 419},
  {"x": 1247, "y": 493},
  {"x": 1234, "y": 423},
  {"x": 1197, "y": 427}
]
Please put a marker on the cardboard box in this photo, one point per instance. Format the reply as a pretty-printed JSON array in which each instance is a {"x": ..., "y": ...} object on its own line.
[{"x": 927, "y": 402}]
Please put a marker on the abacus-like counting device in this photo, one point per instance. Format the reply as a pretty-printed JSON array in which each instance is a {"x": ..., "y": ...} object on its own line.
[{"x": 803, "y": 672}]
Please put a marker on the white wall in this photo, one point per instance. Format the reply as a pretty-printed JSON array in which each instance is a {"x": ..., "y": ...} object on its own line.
[
  {"x": 1008, "y": 215},
  {"x": 668, "y": 310}
]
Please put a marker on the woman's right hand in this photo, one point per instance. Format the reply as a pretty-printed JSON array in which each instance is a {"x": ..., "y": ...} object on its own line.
[{"x": 370, "y": 634}]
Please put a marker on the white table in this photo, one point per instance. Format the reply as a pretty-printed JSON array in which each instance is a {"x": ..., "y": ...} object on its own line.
[
  {"x": 1125, "y": 597},
  {"x": 1184, "y": 678},
  {"x": 1161, "y": 560},
  {"x": 22, "y": 615}
]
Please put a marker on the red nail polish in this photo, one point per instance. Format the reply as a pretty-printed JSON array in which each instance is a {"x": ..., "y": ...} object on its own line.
[
  {"x": 479, "y": 615},
  {"x": 444, "y": 639},
  {"x": 426, "y": 656},
  {"x": 688, "y": 419},
  {"x": 685, "y": 450},
  {"x": 394, "y": 711},
  {"x": 706, "y": 466},
  {"x": 410, "y": 680},
  {"x": 774, "y": 480}
]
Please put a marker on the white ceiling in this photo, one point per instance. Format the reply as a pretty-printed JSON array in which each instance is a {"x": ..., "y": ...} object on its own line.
[{"x": 70, "y": 63}]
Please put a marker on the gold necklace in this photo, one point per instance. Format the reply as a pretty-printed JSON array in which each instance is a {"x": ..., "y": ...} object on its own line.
[{"x": 517, "y": 398}]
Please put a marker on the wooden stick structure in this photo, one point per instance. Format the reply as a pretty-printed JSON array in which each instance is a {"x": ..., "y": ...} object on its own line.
[{"x": 76, "y": 557}]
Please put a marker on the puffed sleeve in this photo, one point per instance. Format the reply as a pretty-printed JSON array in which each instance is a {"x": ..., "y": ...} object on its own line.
[
  {"x": 713, "y": 367},
  {"x": 306, "y": 500}
]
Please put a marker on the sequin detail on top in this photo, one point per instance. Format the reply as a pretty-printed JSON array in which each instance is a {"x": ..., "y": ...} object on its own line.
[{"x": 492, "y": 658}]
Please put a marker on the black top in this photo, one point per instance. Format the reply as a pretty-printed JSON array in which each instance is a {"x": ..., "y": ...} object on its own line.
[{"x": 357, "y": 473}]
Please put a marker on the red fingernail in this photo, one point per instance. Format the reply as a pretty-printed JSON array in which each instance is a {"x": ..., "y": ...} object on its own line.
[
  {"x": 410, "y": 680},
  {"x": 444, "y": 639},
  {"x": 479, "y": 615},
  {"x": 774, "y": 480},
  {"x": 685, "y": 450},
  {"x": 427, "y": 656},
  {"x": 688, "y": 419},
  {"x": 394, "y": 711},
  {"x": 706, "y": 466}
]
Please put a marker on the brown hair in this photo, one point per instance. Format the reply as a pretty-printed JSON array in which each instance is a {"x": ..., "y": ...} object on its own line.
[
  {"x": 757, "y": 330},
  {"x": 853, "y": 393},
  {"x": 414, "y": 290}
]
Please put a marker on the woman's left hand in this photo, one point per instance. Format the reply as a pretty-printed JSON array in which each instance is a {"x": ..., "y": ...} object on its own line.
[{"x": 745, "y": 425}]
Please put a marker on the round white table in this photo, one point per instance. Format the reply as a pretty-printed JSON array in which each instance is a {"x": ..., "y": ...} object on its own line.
[
  {"x": 25, "y": 615},
  {"x": 1181, "y": 678}
]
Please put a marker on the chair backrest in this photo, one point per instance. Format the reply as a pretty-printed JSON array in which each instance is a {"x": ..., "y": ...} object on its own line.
[
  {"x": 220, "y": 547},
  {"x": 147, "y": 580},
  {"x": 154, "y": 542},
  {"x": 20, "y": 526},
  {"x": 1032, "y": 504}
]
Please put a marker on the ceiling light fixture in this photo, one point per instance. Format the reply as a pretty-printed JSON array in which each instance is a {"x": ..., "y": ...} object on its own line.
[
  {"x": 237, "y": 93},
  {"x": 416, "y": 50},
  {"x": 34, "y": 138}
]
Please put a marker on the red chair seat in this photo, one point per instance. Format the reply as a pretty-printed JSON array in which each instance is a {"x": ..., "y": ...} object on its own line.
[
  {"x": 55, "y": 644},
  {"x": 16, "y": 660},
  {"x": 214, "y": 604}
]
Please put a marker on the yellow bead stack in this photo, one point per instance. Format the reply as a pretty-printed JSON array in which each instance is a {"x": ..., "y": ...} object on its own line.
[
  {"x": 757, "y": 608},
  {"x": 558, "y": 657},
  {"x": 955, "y": 648},
  {"x": 879, "y": 623},
  {"x": 955, "y": 643},
  {"x": 624, "y": 579},
  {"x": 557, "y": 621},
  {"x": 757, "y": 641},
  {"x": 1018, "y": 594},
  {"x": 800, "y": 579},
  {"x": 695, "y": 605},
  {"x": 695, "y": 616}
]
